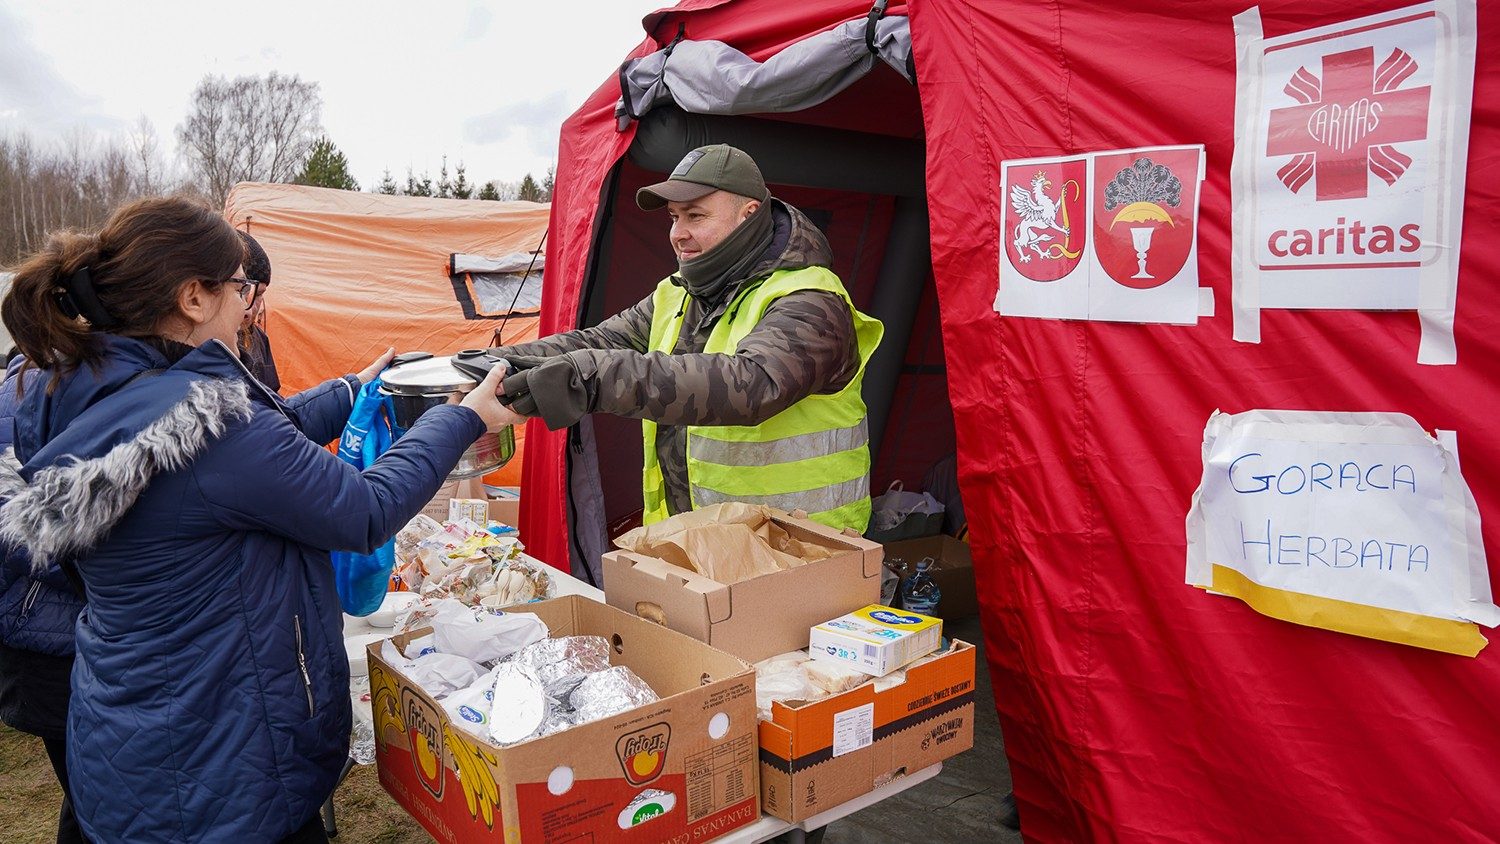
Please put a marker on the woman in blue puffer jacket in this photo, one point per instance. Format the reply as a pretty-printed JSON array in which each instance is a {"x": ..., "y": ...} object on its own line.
[
  {"x": 37, "y": 614},
  {"x": 197, "y": 509}
]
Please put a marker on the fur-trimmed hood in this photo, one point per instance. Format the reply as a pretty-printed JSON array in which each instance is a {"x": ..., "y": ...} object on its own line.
[
  {"x": 105, "y": 439},
  {"x": 67, "y": 507}
]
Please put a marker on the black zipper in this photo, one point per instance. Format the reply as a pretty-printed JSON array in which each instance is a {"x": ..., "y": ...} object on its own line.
[{"x": 302, "y": 665}]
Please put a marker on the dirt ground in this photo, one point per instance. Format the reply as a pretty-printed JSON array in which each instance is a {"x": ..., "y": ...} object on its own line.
[{"x": 29, "y": 798}]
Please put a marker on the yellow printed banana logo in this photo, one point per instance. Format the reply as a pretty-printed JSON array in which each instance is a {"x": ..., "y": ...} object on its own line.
[
  {"x": 476, "y": 773},
  {"x": 643, "y": 753},
  {"x": 385, "y": 702},
  {"x": 423, "y": 729}
]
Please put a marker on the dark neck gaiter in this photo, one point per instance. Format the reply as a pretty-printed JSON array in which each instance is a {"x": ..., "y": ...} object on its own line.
[{"x": 709, "y": 275}]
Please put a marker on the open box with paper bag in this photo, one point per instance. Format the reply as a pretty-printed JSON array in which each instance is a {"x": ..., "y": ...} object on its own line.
[
  {"x": 682, "y": 768},
  {"x": 746, "y": 579},
  {"x": 816, "y": 755}
]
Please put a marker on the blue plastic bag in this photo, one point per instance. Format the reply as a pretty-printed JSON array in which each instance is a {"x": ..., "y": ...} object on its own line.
[{"x": 363, "y": 579}]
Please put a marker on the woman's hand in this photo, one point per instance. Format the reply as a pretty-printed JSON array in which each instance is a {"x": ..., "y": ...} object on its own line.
[
  {"x": 368, "y": 374},
  {"x": 485, "y": 401}
]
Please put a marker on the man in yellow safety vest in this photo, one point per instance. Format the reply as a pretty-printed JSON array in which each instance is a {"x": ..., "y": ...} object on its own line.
[{"x": 744, "y": 366}]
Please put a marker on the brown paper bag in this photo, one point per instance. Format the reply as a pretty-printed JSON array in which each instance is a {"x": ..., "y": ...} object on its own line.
[{"x": 725, "y": 542}]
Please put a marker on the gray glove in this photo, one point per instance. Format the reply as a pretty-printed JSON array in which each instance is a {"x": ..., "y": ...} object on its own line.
[{"x": 550, "y": 388}]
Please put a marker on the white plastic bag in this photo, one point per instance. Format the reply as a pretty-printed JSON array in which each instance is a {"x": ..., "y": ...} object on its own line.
[
  {"x": 470, "y": 707},
  {"x": 833, "y": 677},
  {"x": 440, "y": 674},
  {"x": 426, "y": 612},
  {"x": 896, "y": 505},
  {"x": 491, "y": 638}
]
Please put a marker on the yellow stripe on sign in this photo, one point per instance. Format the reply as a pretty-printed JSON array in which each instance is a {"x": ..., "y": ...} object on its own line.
[{"x": 1404, "y": 628}]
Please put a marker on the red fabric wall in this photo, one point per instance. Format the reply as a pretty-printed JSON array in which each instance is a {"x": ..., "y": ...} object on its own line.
[{"x": 1136, "y": 707}]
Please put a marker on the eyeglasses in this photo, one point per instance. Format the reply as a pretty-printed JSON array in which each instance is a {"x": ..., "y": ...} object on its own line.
[{"x": 247, "y": 289}]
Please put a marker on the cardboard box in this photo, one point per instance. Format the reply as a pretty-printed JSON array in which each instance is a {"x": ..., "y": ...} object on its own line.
[
  {"x": 680, "y": 769},
  {"x": 953, "y": 571},
  {"x": 815, "y": 756},
  {"x": 755, "y": 618},
  {"x": 476, "y": 510},
  {"x": 876, "y": 640},
  {"x": 507, "y": 510},
  {"x": 437, "y": 508}
]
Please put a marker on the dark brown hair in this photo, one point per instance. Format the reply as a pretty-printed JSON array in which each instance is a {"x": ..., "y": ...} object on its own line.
[{"x": 137, "y": 264}]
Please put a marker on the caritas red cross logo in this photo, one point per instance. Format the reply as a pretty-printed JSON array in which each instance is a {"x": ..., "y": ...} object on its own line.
[{"x": 1350, "y": 118}]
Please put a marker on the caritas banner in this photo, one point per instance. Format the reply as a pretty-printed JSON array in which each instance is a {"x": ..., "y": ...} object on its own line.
[{"x": 1348, "y": 177}]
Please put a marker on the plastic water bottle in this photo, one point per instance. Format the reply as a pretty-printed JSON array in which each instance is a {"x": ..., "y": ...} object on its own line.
[{"x": 919, "y": 594}]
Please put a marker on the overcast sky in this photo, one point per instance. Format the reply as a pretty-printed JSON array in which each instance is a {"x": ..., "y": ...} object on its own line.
[{"x": 488, "y": 83}]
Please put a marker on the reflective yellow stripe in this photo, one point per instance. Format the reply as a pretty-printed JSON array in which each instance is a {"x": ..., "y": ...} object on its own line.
[
  {"x": 780, "y": 477},
  {"x": 1438, "y": 634},
  {"x": 785, "y": 450},
  {"x": 813, "y": 456},
  {"x": 812, "y": 500}
]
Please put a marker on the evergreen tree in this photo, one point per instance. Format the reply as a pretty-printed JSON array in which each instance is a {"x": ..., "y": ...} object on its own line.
[
  {"x": 529, "y": 190},
  {"x": 489, "y": 192},
  {"x": 461, "y": 187},
  {"x": 387, "y": 185},
  {"x": 326, "y": 167},
  {"x": 548, "y": 182},
  {"x": 415, "y": 187},
  {"x": 444, "y": 185}
]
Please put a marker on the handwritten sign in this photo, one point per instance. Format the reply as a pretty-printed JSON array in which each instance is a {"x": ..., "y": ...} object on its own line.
[{"x": 1357, "y": 522}]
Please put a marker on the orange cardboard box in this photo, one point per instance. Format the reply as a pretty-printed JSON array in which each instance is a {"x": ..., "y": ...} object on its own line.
[
  {"x": 755, "y": 618},
  {"x": 815, "y": 756},
  {"x": 682, "y": 769}
]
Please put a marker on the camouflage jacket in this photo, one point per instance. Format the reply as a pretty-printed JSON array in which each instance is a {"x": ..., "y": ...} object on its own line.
[{"x": 804, "y": 345}]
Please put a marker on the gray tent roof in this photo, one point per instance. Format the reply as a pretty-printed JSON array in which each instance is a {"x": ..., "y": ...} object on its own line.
[{"x": 710, "y": 77}]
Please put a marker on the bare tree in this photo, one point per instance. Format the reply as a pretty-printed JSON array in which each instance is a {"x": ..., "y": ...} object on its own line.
[
  {"x": 250, "y": 128},
  {"x": 145, "y": 145},
  {"x": 72, "y": 185}
]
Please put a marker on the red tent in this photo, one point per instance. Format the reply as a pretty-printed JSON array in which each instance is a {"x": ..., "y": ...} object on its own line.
[{"x": 1134, "y": 707}]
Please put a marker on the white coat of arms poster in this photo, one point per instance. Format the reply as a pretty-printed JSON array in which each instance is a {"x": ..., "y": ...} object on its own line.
[{"x": 1102, "y": 236}]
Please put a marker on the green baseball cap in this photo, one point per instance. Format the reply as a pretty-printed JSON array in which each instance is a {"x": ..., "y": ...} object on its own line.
[{"x": 703, "y": 171}]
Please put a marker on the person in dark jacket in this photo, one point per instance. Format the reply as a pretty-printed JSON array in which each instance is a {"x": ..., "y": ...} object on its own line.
[
  {"x": 197, "y": 509},
  {"x": 745, "y": 366},
  {"x": 255, "y": 345},
  {"x": 37, "y": 614}
]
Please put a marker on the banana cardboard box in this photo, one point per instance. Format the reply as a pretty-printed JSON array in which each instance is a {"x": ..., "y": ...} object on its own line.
[
  {"x": 815, "y": 756},
  {"x": 682, "y": 769}
]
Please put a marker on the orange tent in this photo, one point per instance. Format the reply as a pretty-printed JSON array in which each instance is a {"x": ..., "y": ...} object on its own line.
[{"x": 355, "y": 273}]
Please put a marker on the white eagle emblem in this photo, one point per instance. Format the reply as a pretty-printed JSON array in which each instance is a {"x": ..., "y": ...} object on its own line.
[{"x": 1038, "y": 214}]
